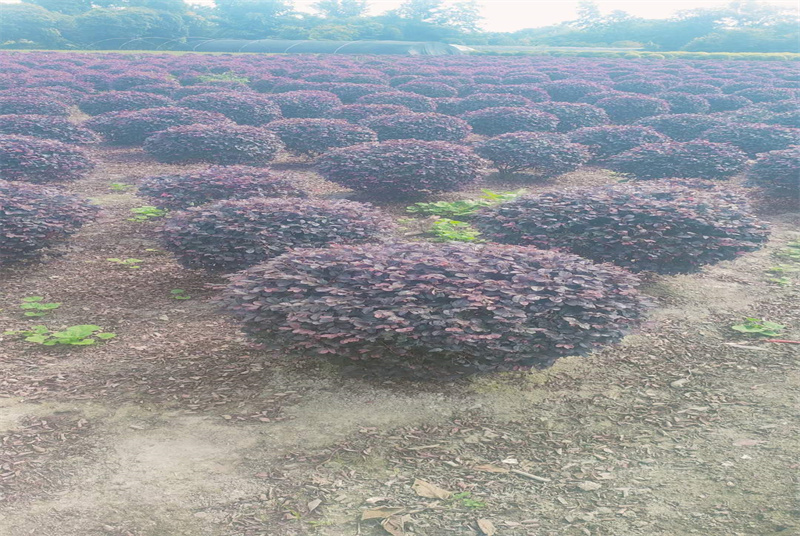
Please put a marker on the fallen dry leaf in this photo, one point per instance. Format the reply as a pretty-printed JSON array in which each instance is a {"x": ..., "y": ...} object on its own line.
[
  {"x": 431, "y": 491},
  {"x": 747, "y": 443},
  {"x": 394, "y": 525},
  {"x": 313, "y": 505},
  {"x": 381, "y": 513},
  {"x": 486, "y": 527},
  {"x": 488, "y": 468},
  {"x": 589, "y": 486}
]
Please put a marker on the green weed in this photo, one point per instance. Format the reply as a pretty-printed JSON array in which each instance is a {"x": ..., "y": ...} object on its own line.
[
  {"x": 80, "y": 335},
  {"x": 35, "y": 307},
  {"x": 758, "y": 327}
]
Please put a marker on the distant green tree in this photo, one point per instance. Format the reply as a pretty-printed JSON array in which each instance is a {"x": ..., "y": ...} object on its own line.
[
  {"x": 253, "y": 19},
  {"x": 341, "y": 9},
  {"x": 588, "y": 15},
  {"x": 419, "y": 10},
  {"x": 27, "y": 22},
  {"x": 127, "y": 23},
  {"x": 67, "y": 7},
  {"x": 462, "y": 16}
]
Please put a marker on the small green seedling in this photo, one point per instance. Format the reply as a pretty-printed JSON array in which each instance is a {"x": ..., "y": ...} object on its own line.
[
  {"x": 465, "y": 499},
  {"x": 780, "y": 281},
  {"x": 35, "y": 307},
  {"x": 179, "y": 294},
  {"x": 120, "y": 186},
  {"x": 791, "y": 252},
  {"x": 463, "y": 207},
  {"x": 454, "y": 231},
  {"x": 223, "y": 77},
  {"x": 758, "y": 327},
  {"x": 147, "y": 213},
  {"x": 80, "y": 335},
  {"x": 133, "y": 264}
]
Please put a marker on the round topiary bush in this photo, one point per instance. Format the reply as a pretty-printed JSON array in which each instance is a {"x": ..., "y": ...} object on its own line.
[
  {"x": 778, "y": 173},
  {"x": 355, "y": 113},
  {"x": 681, "y": 127},
  {"x": 435, "y": 309},
  {"x": 33, "y": 105},
  {"x": 785, "y": 119},
  {"x": 496, "y": 121},
  {"x": 683, "y": 103},
  {"x": 725, "y": 103},
  {"x": 349, "y": 93},
  {"x": 401, "y": 168},
  {"x": 119, "y": 101},
  {"x": 436, "y": 90},
  {"x": 35, "y": 217},
  {"x": 767, "y": 94},
  {"x": 230, "y": 235},
  {"x": 572, "y": 116},
  {"x": 428, "y": 127},
  {"x": 47, "y": 127},
  {"x": 754, "y": 138},
  {"x": 571, "y": 90},
  {"x": 217, "y": 144},
  {"x": 310, "y": 137},
  {"x": 306, "y": 104},
  {"x": 692, "y": 159},
  {"x": 481, "y": 101},
  {"x": 132, "y": 128},
  {"x": 627, "y": 109},
  {"x": 606, "y": 141},
  {"x": 664, "y": 227},
  {"x": 412, "y": 101},
  {"x": 241, "y": 108},
  {"x": 25, "y": 158},
  {"x": 545, "y": 154},
  {"x": 214, "y": 184}
]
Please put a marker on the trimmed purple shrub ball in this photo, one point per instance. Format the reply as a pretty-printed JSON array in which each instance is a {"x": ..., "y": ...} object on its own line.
[
  {"x": 572, "y": 116},
  {"x": 684, "y": 103},
  {"x": 681, "y": 127},
  {"x": 754, "y": 138},
  {"x": 355, "y": 113},
  {"x": 692, "y": 159},
  {"x": 349, "y": 93},
  {"x": 310, "y": 137},
  {"x": 118, "y": 101},
  {"x": 778, "y": 173},
  {"x": 48, "y": 127},
  {"x": 400, "y": 308},
  {"x": 36, "y": 217},
  {"x": 242, "y": 108},
  {"x": 33, "y": 105},
  {"x": 496, "y": 121},
  {"x": 230, "y": 235},
  {"x": 786, "y": 119},
  {"x": 132, "y": 128},
  {"x": 725, "y": 103},
  {"x": 435, "y": 90},
  {"x": 306, "y": 104},
  {"x": 767, "y": 94},
  {"x": 417, "y": 103},
  {"x": 545, "y": 154},
  {"x": 222, "y": 144},
  {"x": 607, "y": 141},
  {"x": 215, "y": 184},
  {"x": 428, "y": 127},
  {"x": 571, "y": 90},
  {"x": 401, "y": 168},
  {"x": 29, "y": 159},
  {"x": 627, "y": 109},
  {"x": 481, "y": 101},
  {"x": 664, "y": 226}
]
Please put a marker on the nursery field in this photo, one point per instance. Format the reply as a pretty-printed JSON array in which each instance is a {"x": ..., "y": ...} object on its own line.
[{"x": 251, "y": 296}]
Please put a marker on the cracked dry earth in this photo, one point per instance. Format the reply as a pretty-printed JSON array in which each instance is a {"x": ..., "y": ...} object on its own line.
[{"x": 180, "y": 427}]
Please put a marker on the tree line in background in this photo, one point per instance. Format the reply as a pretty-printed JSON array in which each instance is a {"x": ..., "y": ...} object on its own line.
[{"x": 742, "y": 26}]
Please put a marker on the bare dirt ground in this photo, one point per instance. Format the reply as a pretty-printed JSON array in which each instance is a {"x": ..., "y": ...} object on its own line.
[{"x": 181, "y": 427}]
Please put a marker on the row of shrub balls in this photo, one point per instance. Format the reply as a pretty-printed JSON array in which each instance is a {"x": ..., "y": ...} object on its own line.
[{"x": 332, "y": 277}]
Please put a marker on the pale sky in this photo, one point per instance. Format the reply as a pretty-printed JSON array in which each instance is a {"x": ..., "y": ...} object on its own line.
[{"x": 512, "y": 15}]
